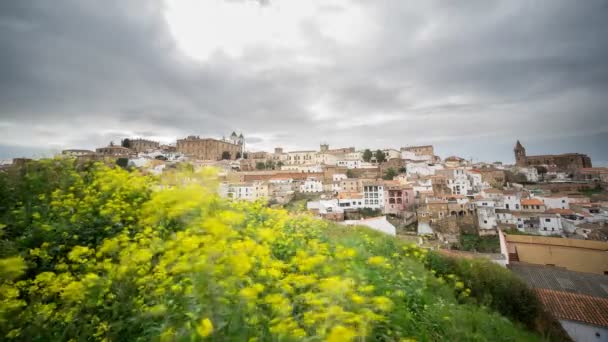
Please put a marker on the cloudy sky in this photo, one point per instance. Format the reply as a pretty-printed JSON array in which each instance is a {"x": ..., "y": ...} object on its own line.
[{"x": 470, "y": 77}]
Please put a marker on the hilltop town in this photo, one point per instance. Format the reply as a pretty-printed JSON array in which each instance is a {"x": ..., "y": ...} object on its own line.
[
  {"x": 544, "y": 217},
  {"x": 407, "y": 191}
]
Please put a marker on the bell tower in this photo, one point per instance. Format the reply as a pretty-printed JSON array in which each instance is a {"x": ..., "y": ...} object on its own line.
[{"x": 520, "y": 154}]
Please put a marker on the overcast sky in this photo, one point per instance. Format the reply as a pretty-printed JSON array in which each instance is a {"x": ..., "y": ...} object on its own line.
[{"x": 470, "y": 77}]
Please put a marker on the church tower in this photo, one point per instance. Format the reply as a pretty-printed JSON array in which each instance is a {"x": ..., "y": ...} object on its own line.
[{"x": 520, "y": 154}]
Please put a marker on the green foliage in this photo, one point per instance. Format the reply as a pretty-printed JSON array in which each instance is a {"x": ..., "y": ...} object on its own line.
[
  {"x": 482, "y": 244},
  {"x": 270, "y": 165},
  {"x": 498, "y": 288},
  {"x": 125, "y": 143},
  {"x": 369, "y": 212},
  {"x": 225, "y": 155},
  {"x": 350, "y": 173},
  {"x": 367, "y": 155},
  {"x": 122, "y": 162},
  {"x": 260, "y": 165},
  {"x": 102, "y": 253},
  {"x": 389, "y": 174},
  {"x": 380, "y": 156}
]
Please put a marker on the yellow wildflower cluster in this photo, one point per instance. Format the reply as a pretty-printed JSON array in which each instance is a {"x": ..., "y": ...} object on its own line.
[{"x": 179, "y": 263}]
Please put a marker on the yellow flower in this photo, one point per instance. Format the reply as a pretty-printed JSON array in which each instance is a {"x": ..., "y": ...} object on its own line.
[
  {"x": 205, "y": 327},
  {"x": 340, "y": 334}
]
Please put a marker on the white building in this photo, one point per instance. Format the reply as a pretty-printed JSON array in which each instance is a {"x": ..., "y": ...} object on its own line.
[
  {"x": 373, "y": 195},
  {"x": 555, "y": 201},
  {"x": 311, "y": 184},
  {"x": 487, "y": 218},
  {"x": 550, "y": 224},
  {"x": 531, "y": 173},
  {"x": 325, "y": 206},
  {"x": 244, "y": 191},
  {"x": 350, "y": 200},
  {"x": 422, "y": 169},
  {"x": 459, "y": 182},
  {"x": 336, "y": 177},
  {"x": 354, "y": 164}
]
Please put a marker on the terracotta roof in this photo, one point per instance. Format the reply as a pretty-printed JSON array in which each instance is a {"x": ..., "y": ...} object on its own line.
[
  {"x": 349, "y": 195},
  {"x": 532, "y": 201},
  {"x": 575, "y": 307},
  {"x": 560, "y": 211}
]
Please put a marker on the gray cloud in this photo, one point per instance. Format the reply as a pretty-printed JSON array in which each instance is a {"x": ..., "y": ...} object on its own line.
[{"x": 468, "y": 77}]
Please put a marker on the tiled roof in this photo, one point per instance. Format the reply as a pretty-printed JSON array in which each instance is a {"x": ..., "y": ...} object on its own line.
[
  {"x": 561, "y": 279},
  {"x": 532, "y": 201},
  {"x": 350, "y": 195},
  {"x": 575, "y": 307},
  {"x": 560, "y": 211}
]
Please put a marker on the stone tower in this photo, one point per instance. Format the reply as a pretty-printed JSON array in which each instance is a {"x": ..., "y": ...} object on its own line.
[
  {"x": 520, "y": 154},
  {"x": 324, "y": 147}
]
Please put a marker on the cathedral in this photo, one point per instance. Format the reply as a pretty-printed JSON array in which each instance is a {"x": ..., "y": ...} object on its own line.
[{"x": 563, "y": 162}]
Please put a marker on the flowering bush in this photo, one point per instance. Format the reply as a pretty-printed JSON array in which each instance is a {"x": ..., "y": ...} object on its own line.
[{"x": 121, "y": 256}]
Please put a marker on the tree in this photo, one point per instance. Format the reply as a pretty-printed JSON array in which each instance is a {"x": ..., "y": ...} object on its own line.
[
  {"x": 245, "y": 155},
  {"x": 238, "y": 155},
  {"x": 389, "y": 174},
  {"x": 541, "y": 171},
  {"x": 126, "y": 143},
  {"x": 280, "y": 164},
  {"x": 225, "y": 155},
  {"x": 367, "y": 155},
  {"x": 260, "y": 166},
  {"x": 350, "y": 174},
  {"x": 270, "y": 165},
  {"x": 380, "y": 156},
  {"x": 122, "y": 162},
  {"x": 402, "y": 170}
]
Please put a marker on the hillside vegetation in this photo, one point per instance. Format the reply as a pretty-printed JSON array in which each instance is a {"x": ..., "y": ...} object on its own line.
[{"x": 94, "y": 252}]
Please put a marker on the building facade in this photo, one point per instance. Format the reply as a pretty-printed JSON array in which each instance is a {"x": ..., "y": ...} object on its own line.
[
  {"x": 564, "y": 162},
  {"x": 142, "y": 145},
  {"x": 209, "y": 149}
]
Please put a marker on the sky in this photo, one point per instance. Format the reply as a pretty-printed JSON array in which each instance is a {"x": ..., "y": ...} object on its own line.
[{"x": 470, "y": 77}]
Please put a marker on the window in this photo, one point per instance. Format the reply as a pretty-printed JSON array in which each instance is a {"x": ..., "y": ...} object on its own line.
[
  {"x": 545, "y": 228},
  {"x": 485, "y": 221},
  {"x": 547, "y": 220}
]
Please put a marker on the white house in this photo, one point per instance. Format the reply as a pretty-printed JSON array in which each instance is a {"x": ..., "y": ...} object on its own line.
[
  {"x": 325, "y": 206},
  {"x": 336, "y": 177},
  {"x": 350, "y": 163},
  {"x": 244, "y": 191},
  {"x": 311, "y": 184},
  {"x": 459, "y": 182},
  {"x": 350, "y": 200},
  {"x": 531, "y": 173},
  {"x": 373, "y": 195},
  {"x": 550, "y": 224},
  {"x": 487, "y": 218},
  {"x": 512, "y": 201},
  {"x": 555, "y": 201}
]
